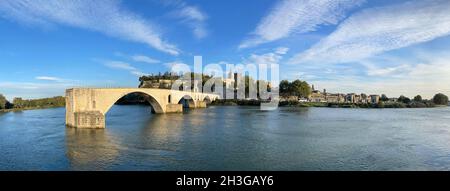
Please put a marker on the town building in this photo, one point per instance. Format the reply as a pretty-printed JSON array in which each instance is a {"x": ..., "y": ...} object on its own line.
[{"x": 374, "y": 99}]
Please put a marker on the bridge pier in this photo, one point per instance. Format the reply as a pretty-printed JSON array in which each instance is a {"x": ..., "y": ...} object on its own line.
[
  {"x": 200, "y": 104},
  {"x": 174, "y": 108},
  {"x": 88, "y": 119}
]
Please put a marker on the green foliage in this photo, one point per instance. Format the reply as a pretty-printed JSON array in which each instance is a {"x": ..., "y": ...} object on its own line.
[
  {"x": 380, "y": 104},
  {"x": 364, "y": 96},
  {"x": 284, "y": 86},
  {"x": 417, "y": 104},
  {"x": 296, "y": 88},
  {"x": 58, "y": 101},
  {"x": 165, "y": 76},
  {"x": 384, "y": 97},
  {"x": 440, "y": 99},
  {"x": 403, "y": 99},
  {"x": 418, "y": 98},
  {"x": 3, "y": 102},
  {"x": 394, "y": 105},
  {"x": 19, "y": 103}
]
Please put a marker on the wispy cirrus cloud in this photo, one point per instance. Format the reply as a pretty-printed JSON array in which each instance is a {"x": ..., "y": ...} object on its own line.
[
  {"x": 104, "y": 16},
  {"x": 48, "y": 78},
  {"x": 145, "y": 59},
  {"x": 377, "y": 30},
  {"x": 119, "y": 65},
  {"x": 266, "y": 58},
  {"x": 124, "y": 66},
  {"x": 55, "y": 79},
  {"x": 298, "y": 16},
  {"x": 193, "y": 17},
  {"x": 170, "y": 65}
]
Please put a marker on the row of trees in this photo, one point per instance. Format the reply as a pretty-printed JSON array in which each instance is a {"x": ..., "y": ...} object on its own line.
[
  {"x": 295, "y": 88},
  {"x": 173, "y": 77},
  {"x": 159, "y": 76},
  {"x": 438, "y": 99},
  {"x": 20, "y": 103}
]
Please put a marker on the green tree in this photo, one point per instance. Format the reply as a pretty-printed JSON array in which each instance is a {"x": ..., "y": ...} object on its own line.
[
  {"x": 440, "y": 99},
  {"x": 380, "y": 104},
  {"x": 18, "y": 102},
  {"x": 3, "y": 102},
  {"x": 363, "y": 96},
  {"x": 404, "y": 99},
  {"x": 299, "y": 88},
  {"x": 418, "y": 98},
  {"x": 284, "y": 87},
  {"x": 384, "y": 97}
]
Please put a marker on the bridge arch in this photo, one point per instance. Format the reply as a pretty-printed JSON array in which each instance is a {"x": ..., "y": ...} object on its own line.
[
  {"x": 207, "y": 99},
  {"x": 154, "y": 103},
  {"x": 187, "y": 101}
]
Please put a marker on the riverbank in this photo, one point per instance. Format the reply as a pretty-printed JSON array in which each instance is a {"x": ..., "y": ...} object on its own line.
[
  {"x": 24, "y": 109},
  {"x": 424, "y": 104},
  {"x": 281, "y": 104}
]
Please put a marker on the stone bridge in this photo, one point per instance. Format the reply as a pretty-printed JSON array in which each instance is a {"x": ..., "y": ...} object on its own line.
[{"x": 87, "y": 107}]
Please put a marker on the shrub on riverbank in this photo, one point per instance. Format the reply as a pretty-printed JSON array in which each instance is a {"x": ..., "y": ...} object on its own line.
[{"x": 440, "y": 99}]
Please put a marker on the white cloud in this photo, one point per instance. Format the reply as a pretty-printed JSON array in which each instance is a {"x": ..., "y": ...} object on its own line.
[
  {"x": 139, "y": 73},
  {"x": 171, "y": 64},
  {"x": 124, "y": 66},
  {"x": 194, "y": 18},
  {"x": 387, "y": 71},
  {"x": 49, "y": 78},
  {"x": 376, "y": 30},
  {"x": 301, "y": 16},
  {"x": 281, "y": 50},
  {"x": 146, "y": 59},
  {"x": 105, "y": 16},
  {"x": 119, "y": 65},
  {"x": 55, "y": 79},
  {"x": 267, "y": 58}
]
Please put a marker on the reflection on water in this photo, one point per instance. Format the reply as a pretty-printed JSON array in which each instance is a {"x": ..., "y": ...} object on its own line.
[
  {"x": 90, "y": 149},
  {"x": 230, "y": 138}
]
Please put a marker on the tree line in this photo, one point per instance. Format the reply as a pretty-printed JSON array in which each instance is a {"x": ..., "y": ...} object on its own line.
[
  {"x": 438, "y": 99},
  {"x": 19, "y": 103}
]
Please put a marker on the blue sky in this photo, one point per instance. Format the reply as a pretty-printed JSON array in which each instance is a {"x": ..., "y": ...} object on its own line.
[{"x": 392, "y": 47}]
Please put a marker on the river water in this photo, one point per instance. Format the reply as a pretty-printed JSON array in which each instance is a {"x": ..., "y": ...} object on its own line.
[{"x": 230, "y": 138}]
